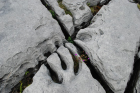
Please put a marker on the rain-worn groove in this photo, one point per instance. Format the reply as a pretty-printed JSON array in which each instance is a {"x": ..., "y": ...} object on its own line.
[
  {"x": 63, "y": 64},
  {"x": 95, "y": 73},
  {"x": 134, "y": 76},
  {"x": 53, "y": 74}
]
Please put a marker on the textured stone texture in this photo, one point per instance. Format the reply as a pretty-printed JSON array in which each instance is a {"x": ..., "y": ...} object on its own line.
[
  {"x": 79, "y": 83},
  {"x": 27, "y": 31},
  {"x": 65, "y": 19},
  {"x": 111, "y": 42},
  {"x": 80, "y": 11}
]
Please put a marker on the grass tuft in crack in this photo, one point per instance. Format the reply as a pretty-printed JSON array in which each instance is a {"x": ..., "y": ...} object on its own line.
[
  {"x": 25, "y": 82},
  {"x": 63, "y": 7},
  {"x": 138, "y": 5},
  {"x": 94, "y": 9}
]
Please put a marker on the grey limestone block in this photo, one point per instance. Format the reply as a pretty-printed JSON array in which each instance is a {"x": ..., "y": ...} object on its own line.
[
  {"x": 27, "y": 31},
  {"x": 65, "y": 19},
  {"x": 112, "y": 41},
  {"x": 80, "y": 11},
  {"x": 71, "y": 83}
]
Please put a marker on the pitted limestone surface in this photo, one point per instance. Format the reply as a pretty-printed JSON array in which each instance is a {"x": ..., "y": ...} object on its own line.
[
  {"x": 80, "y": 83},
  {"x": 80, "y": 11}
]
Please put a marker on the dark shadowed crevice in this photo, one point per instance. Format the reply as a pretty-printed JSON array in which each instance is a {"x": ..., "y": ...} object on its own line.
[
  {"x": 47, "y": 54},
  {"x": 76, "y": 64},
  {"x": 105, "y": 2},
  {"x": 54, "y": 16},
  {"x": 27, "y": 79},
  {"x": 63, "y": 64},
  {"x": 53, "y": 74},
  {"x": 134, "y": 76},
  {"x": 95, "y": 72}
]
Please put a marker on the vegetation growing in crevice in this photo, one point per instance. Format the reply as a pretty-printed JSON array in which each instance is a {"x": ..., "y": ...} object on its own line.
[
  {"x": 27, "y": 79},
  {"x": 70, "y": 40},
  {"x": 53, "y": 13},
  {"x": 94, "y": 9},
  {"x": 94, "y": 71},
  {"x": 25, "y": 82},
  {"x": 138, "y": 5},
  {"x": 63, "y": 7}
]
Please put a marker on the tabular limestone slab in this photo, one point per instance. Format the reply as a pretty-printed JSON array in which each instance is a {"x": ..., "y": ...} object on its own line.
[
  {"x": 65, "y": 19},
  {"x": 80, "y": 11},
  {"x": 27, "y": 31},
  {"x": 80, "y": 83},
  {"x": 111, "y": 42}
]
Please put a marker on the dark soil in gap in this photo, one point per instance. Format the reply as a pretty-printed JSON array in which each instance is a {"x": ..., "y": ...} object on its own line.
[{"x": 27, "y": 80}]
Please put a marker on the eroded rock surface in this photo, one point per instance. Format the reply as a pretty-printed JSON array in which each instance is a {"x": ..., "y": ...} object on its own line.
[
  {"x": 27, "y": 31},
  {"x": 80, "y": 11},
  {"x": 65, "y": 19},
  {"x": 111, "y": 42},
  {"x": 80, "y": 83}
]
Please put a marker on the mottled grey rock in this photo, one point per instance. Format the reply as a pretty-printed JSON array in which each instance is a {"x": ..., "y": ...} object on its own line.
[
  {"x": 67, "y": 22},
  {"x": 111, "y": 42},
  {"x": 93, "y": 2},
  {"x": 80, "y": 83},
  {"x": 80, "y": 11},
  {"x": 65, "y": 19},
  {"x": 27, "y": 31}
]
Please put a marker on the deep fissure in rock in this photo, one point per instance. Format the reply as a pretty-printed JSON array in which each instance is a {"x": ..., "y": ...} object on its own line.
[
  {"x": 27, "y": 80},
  {"x": 76, "y": 64},
  {"x": 134, "y": 76},
  {"x": 53, "y": 74},
  {"x": 95, "y": 73},
  {"x": 63, "y": 64},
  {"x": 54, "y": 16}
]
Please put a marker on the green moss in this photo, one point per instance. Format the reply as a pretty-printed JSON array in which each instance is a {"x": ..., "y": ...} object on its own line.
[
  {"x": 53, "y": 13},
  {"x": 26, "y": 72},
  {"x": 70, "y": 40},
  {"x": 63, "y": 7},
  {"x": 138, "y": 6},
  {"x": 88, "y": 4}
]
